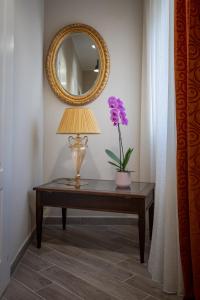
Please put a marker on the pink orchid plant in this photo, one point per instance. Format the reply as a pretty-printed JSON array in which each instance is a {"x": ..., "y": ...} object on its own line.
[{"x": 118, "y": 117}]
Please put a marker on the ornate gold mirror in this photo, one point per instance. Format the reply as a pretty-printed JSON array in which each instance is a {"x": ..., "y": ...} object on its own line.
[{"x": 77, "y": 64}]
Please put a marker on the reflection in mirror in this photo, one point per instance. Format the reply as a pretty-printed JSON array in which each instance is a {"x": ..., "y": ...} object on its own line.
[{"x": 77, "y": 63}]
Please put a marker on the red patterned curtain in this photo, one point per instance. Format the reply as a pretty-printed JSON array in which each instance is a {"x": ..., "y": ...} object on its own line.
[{"x": 187, "y": 77}]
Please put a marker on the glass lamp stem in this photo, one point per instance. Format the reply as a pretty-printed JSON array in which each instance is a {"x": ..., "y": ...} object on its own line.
[{"x": 78, "y": 148}]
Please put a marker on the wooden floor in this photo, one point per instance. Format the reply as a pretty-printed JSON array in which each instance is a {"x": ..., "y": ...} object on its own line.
[{"x": 84, "y": 262}]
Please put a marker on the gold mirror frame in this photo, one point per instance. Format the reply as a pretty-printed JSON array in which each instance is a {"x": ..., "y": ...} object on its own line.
[{"x": 101, "y": 81}]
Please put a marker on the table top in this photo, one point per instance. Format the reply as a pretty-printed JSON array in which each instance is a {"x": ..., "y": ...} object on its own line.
[{"x": 97, "y": 186}]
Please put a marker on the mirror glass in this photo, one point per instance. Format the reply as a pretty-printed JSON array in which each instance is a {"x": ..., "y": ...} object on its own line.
[{"x": 77, "y": 63}]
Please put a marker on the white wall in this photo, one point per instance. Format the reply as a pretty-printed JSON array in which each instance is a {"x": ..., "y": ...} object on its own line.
[
  {"x": 27, "y": 119},
  {"x": 6, "y": 129},
  {"x": 120, "y": 24}
]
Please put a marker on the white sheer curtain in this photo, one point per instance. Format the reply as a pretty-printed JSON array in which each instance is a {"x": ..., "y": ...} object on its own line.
[{"x": 158, "y": 140}]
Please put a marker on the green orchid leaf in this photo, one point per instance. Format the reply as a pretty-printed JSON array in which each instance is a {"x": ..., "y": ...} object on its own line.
[
  {"x": 126, "y": 158},
  {"x": 112, "y": 156},
  {"x": 113, "y": 164}
]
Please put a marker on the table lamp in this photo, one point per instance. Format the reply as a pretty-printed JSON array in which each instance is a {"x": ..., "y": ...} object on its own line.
[{"x": 78, "y": 121}]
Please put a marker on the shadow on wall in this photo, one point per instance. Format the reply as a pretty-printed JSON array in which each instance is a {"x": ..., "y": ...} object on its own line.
[
  {"x": 36, "y": 152},
  {"x": 36, "y": 170},
  {"x": 31, "y": 205},
  {"x": 89, "y": 168},
  {"x": 64, "y": 166}
]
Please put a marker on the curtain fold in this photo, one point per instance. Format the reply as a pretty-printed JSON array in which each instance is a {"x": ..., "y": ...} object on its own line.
[
  {"x": 187, "y": 77},
  {"x": 158, "y": 140}
]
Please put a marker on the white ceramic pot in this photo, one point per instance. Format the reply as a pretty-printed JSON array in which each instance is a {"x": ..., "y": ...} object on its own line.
[{"x": 123, "y": 179}]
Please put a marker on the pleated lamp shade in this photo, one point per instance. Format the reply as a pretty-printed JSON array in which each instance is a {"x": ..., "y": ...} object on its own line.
[{"x": 78, "y": 121}]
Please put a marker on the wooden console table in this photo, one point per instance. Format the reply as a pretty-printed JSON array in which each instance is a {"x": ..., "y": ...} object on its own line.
[{"x": 99, "y": 195}]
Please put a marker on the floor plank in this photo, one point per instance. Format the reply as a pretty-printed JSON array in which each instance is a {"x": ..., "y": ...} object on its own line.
[
  {"x": 56, "y": 292},
  {"x": 150, "y": 287},
  {"x": 119, "y": 290},
  {"x": 133, "y": 265},
  {"x": 34, "y": 262},
  {"x": 30, "y": 278},
  {"x": 99, "y": 264},
  {"x": 41, "y": 251},
  {"x": 91, "y": 247},
  {"x": 86, "y": 239},
  {"x": 75, "y": 284},
  {"x": 17, "y": 291}
]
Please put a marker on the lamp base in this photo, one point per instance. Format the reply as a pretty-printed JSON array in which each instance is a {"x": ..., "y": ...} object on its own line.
[
  {"x": 76, "y": 183},
  {"x": 78, "y": 148},
  {"x": 72, "y": 182}
]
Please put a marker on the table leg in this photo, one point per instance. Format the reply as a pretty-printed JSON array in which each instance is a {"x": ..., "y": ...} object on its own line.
[
  {"x": 64, "y": 213},
  {"x": 141, "y": 227},
  {"x": 39, "y": 219},
  {"x": 151, "y": 215}
]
